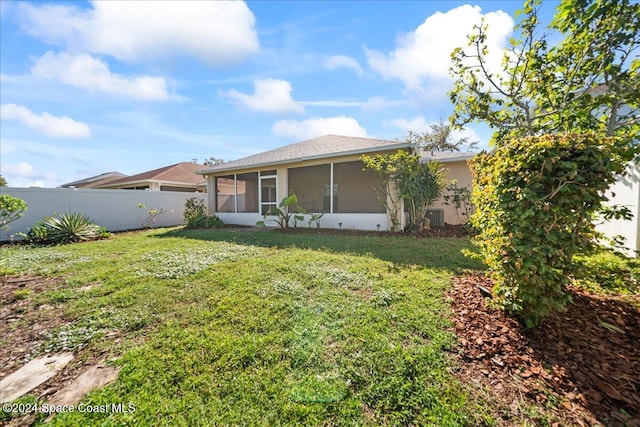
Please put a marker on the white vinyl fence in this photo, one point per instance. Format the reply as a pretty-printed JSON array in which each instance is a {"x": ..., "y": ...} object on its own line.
[
  {"x": 116, "y": 210},
  {"x": 626, "y": 192}
]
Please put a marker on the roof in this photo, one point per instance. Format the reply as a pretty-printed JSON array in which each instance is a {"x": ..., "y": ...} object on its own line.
[
  {"x": 94, "y": 181},
  {"x": 446, "y": 156},
  {"x": 316, "y": 148},
  {"x": 183, "y": 173}
]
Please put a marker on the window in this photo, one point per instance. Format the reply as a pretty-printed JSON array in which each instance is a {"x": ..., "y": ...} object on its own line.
[
  {"x": 247, "y": 192},
  {"x": 310, "y": 184},
  {"x": 225, "y": 194},
  {"x": 356, "y": 194}
]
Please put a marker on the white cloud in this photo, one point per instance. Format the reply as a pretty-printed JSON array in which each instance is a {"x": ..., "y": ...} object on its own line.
[
  {"x": 269, "y": 96},
  {"x": 318, "y": 126},
  {"x": 423, "y": 55},
  {"x": 57, "y": 127},
  {"x": 417, "y": 124},
  {"x": 372, "y": 104},
  {"x": 342, "y": 61},
  {"x": 24, "y": 173},
  {"x": 86, "y": 72},
  {"x": 214, "y": 32}
]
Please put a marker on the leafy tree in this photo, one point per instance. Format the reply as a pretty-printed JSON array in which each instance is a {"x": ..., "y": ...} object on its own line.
[
  {"x": 3, "y": 182},
  {"x": 11, "y": 209},
  {"x": 213, "y": 161},
  {"x": 439, "y": 139},
  {"x": 588, "y": 81},
  {"x": 535, "y": 201},
  {"x": 418, "y": 184}
]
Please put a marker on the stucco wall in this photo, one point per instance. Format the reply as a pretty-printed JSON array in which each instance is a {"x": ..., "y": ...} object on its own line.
[{"x": 460, "y": 171}]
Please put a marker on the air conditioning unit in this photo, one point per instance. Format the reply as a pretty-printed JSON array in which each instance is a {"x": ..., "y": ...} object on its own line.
[{"x": 436, "y": 217}]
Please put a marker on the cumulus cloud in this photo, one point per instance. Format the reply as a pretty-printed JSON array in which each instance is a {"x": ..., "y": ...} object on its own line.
[
  {"x": 86, "y": 72},
  {"x": 214, "y": 32},
  {"x": 16, "y": 174},
  {"x": 57, "y": 127},
  {"x": 318, "y": 126},
  {"x": 423, "y": 56},
  {"x": 269, "y": 96},
  {"x": 342, "y": 61}
]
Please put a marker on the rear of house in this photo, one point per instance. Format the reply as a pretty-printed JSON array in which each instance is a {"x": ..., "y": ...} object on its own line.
[{"x": 325, "y": 174}]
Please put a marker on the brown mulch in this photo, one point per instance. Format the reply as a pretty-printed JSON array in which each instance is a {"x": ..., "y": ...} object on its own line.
[
  {"x": 446, "y": 231},
  {"x": 580, "y": 367}
]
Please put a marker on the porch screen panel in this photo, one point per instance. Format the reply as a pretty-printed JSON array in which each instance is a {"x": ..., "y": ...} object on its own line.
[
  {"x": 355, "y": 189},
  {"x": 308, "y": 184},
  {"x": 225, "y": 194},
  {"x": 247, "y": 192}
]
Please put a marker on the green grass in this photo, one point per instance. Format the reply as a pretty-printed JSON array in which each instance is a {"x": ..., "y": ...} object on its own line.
[{"x": 221, "y": 327}]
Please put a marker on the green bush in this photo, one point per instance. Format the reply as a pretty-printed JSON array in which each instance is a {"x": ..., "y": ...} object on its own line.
[
  {"x": 535, "y": 200},
  {"x": 608, "y": 271},
  {"x": 11, "y": 209},
  {"x": 193, "y": 207},
  {"x": 65, "y": 229},
  {"x": 205, "y": 221}
]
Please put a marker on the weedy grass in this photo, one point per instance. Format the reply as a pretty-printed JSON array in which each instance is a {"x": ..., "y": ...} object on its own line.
[{"x": 224, "y": 327}]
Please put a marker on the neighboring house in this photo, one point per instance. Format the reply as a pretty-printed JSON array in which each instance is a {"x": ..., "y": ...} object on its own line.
[
  {"x": 325, "y": 174},
  {"x": 94, "y": 181},
  {"x": 178, "y": 177}
]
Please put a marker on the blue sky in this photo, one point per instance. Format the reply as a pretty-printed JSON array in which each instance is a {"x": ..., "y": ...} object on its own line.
[{"x": 91, "y": 87}]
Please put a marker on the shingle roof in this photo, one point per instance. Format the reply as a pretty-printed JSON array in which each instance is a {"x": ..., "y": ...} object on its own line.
[
  {"x": 316, "y": 148},
  {"x": 446, "y": 156},
  {"x": 179, "y": 173},
  {"x": 94, "y": 181}
]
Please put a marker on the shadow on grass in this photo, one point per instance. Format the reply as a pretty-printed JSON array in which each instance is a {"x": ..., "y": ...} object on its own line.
[{"x": 436, "y": 253}]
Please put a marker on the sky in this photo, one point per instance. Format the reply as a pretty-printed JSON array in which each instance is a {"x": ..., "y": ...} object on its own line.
[{"x": 93, "y": 87}]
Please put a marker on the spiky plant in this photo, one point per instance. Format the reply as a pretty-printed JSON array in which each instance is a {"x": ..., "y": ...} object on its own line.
[{"x": 71, "y": 228}]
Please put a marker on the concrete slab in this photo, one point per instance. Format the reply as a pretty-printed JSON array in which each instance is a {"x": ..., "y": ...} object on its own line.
[
  {"x": 95, "y": 377},
  {"x": 32, "y": 375}
]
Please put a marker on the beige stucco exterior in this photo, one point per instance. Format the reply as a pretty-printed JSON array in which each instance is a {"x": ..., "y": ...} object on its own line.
[{"x": 458, "y": 170}]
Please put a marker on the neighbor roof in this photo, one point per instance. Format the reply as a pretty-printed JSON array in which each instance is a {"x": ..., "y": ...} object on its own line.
[
  {"x": 445, "y": 156},
  {"x": 94, "y": 181},
  {"x": 316, "y": 148},
  {"x": 180, "y": 173}
]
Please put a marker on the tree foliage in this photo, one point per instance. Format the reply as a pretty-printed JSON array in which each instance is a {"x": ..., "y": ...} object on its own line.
[
  {"x": 535, "y": 201},
  {"x": 439, "y": 138},
  {"x": 418, "y": 185},
  {"x": 11, "y": 209},
  {"x": 213, "y": 161},
  {"x": 588, "y": 81},
  {"x": 3, "y": 182}
]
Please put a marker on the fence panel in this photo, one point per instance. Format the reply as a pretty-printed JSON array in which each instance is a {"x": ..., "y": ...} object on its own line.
[{"x": 116, "y": 210}]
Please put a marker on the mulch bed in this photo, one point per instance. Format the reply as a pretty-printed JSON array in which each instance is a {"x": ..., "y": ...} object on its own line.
[
  {"x": 434, "y": 232},
  {"x": 579, "y": 367}
]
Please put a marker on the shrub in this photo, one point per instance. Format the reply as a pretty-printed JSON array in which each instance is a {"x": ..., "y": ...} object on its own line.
[
  {"x": 193, "y": 207},
  {"x": 11, "y": 209},
  {"x": 205, "y": 221},
  {"x": 286, "y": 210},
  {"x": 65, "y": 229},
  {"x": 535, "y": 200}
]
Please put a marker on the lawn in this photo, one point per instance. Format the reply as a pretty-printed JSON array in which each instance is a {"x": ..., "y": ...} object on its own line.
[{"x": 231, "y": 327}]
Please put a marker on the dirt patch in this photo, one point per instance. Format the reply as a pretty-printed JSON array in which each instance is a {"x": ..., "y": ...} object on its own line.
[
  {"x": 579, "y": 367},
  {"x": 22, "y": 323},
  {"x": 434, "y": 232}
]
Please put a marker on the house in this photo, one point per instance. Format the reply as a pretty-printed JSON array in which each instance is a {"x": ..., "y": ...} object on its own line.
[
  {"x": 94, "y": 181},
  {"x": 325, "y": 174},
  {"x": 178, "y": 177}
]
